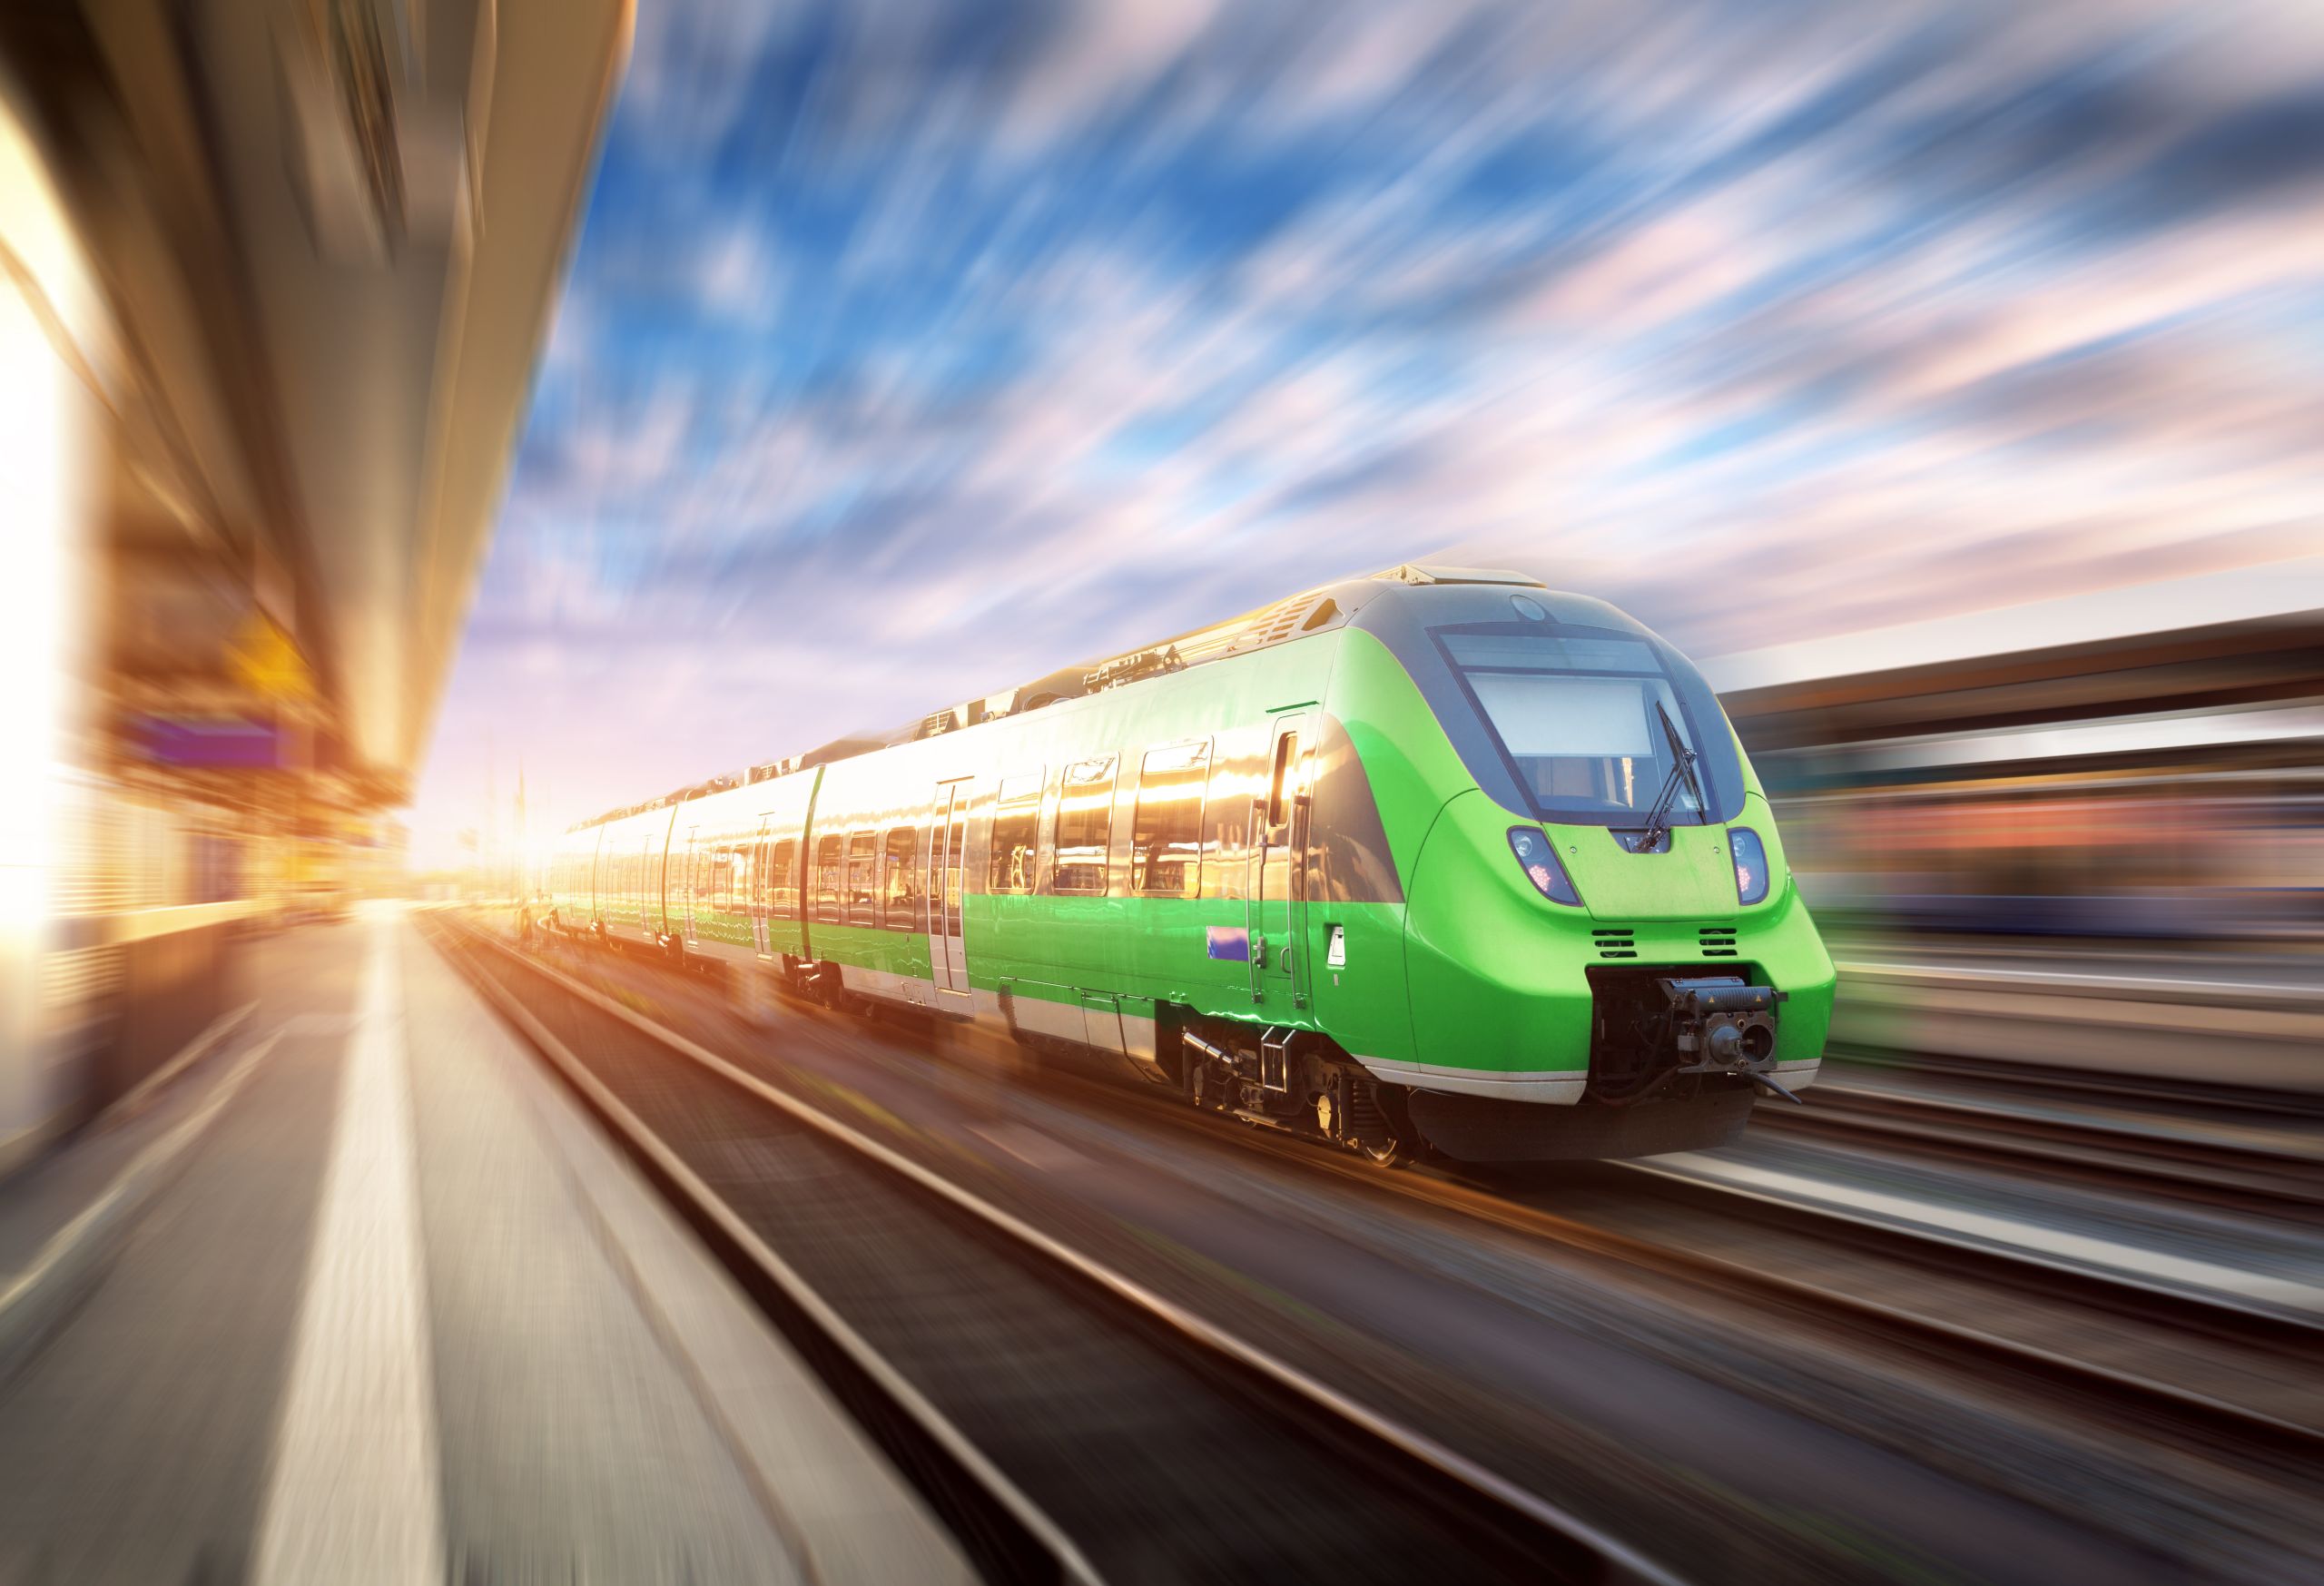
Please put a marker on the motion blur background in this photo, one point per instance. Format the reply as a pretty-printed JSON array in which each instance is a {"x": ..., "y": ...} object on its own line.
[
  {"x": 1947, "y": 378},
  {"x": 1934, "y": 373},
  {"x": 423, "y": 425}
]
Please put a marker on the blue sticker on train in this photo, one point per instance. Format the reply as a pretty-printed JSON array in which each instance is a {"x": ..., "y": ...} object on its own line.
[{"x": 1230, "y": 943}]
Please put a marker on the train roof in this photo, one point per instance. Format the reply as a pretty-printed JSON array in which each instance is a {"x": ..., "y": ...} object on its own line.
[{"x": 1296, "y": 617}]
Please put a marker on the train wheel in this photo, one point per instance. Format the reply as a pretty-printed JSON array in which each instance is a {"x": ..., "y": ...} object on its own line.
[
  {"x": 1370, "y": 1129},
  {"x": 1198, "y": 1087}
]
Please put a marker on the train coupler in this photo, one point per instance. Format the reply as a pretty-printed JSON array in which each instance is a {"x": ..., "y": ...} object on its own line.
[{"x": 1726, "y": 1026}]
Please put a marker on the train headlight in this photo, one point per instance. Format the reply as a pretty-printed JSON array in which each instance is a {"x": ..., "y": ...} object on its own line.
[
  {"x": 1537, "y": 856},
  {"x": 1750, "y": 864}
]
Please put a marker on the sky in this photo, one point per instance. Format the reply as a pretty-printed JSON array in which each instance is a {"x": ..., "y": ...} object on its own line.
[{"x": 913, "y": 349}]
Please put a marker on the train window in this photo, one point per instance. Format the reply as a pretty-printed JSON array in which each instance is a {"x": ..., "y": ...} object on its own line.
[
  {"x": 1238, "y": 776},
  {"x": 1578, "y": 719},
  {"x": 899, "y": 904},
  {"x": 782, "y": 881},
  {"x": 1283, "y": 781},
  {"x": 1015, "y": 834},
  {"x": 1085, "y": 827},
  {"x": 829, "y": 880},
  {"x": 863, "y": 856},
  {"x": 1166, "y": 831}
]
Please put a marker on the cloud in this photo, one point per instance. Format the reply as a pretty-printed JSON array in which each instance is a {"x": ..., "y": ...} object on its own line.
[
  {"x": 738, "y": 277},
  {"x": 1106, "y": 54},
  {"x": 912, "y": 348}
]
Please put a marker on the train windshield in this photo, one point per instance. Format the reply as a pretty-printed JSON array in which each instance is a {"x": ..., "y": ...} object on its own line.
[{"x": 1573, "y": 715}]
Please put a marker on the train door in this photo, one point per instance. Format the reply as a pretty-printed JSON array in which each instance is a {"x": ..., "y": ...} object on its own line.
[
  {"x": 692, "y": 881},
  {"x": 757, "y": 901},
  {"x": 948, "y": 857},
  {"x": 647, "y": 887},
  {"x": 653, "y": 885},
  {"x": 1276, "y": 901}
]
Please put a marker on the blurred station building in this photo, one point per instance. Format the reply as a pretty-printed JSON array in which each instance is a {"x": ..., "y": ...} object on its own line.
[
  {"x": 273, "y": 278},
  {"x": 2128, "y": 764},
  {"x": 2085, "y": 833}
]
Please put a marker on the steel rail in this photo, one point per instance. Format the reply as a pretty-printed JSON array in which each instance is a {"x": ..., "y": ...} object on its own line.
[
  {"x": 1292, "y": 1389},
  {"x": 2189, "y": 1168},
  {"x": 2212, "y": 1419}
]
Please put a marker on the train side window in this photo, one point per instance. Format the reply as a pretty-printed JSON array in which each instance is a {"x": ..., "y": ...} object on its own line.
[
  {"x": 1282, "y": 787},
  {"x": 1239, "y": 780},
  {"x": 900, "y": 905},
  {"x": 1166, "y": 831},
  {"x": 1015, "y": 834},
  {"x": 862, "y": 854},
  {"x": 1085, "y": 827},
  {"x": 829, "y": 880},
  {"x": 783, "y": 883}
]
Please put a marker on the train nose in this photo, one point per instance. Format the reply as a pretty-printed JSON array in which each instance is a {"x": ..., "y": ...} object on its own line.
[{"x": 1692, "y": 879}]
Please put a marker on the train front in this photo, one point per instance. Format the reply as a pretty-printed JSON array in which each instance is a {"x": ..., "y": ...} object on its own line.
[{"x": 1605, "y": 952}]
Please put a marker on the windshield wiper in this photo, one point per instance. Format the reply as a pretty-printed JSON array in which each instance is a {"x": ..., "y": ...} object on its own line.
[{"x": 1682, "y": 770}]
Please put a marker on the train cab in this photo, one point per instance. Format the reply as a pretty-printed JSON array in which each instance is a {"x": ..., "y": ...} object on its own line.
[{"x": 1604, "y": 953}]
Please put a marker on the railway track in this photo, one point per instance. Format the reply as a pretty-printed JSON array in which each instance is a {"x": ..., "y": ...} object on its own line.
[
  {"x": 2045, "y": 1297},
  {"x": 2253, "y": 1173},
  {"x": 2044, "y": 1357},
  {"x": 1068, "y": 1423},
  {"x": 2116, "y": 1395}
]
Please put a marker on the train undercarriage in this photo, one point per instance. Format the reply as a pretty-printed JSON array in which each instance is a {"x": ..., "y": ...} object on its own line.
[
  {"x": 1677, "y": 1055},
  {"x": 1307, "y": 1089},
  {"x": 1675, "y": 1058},
  {"x": 1297, "y": 1082}
]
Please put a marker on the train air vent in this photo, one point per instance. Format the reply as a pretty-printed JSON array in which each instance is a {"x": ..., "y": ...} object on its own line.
[
  {"x": 1283, "y": 620},
  {"x": 1616, "y": 943},
  {"x": 1717, "y": 941}
]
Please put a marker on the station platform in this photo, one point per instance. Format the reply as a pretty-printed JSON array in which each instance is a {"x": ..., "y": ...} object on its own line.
[{"x": 362, "y": 1294}]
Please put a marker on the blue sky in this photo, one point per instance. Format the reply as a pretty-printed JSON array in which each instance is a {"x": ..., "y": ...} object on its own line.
[{"x": 912, "y": 348}]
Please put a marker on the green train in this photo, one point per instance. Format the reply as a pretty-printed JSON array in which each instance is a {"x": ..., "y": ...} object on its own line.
[{"x": 1437, "y": 861}]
